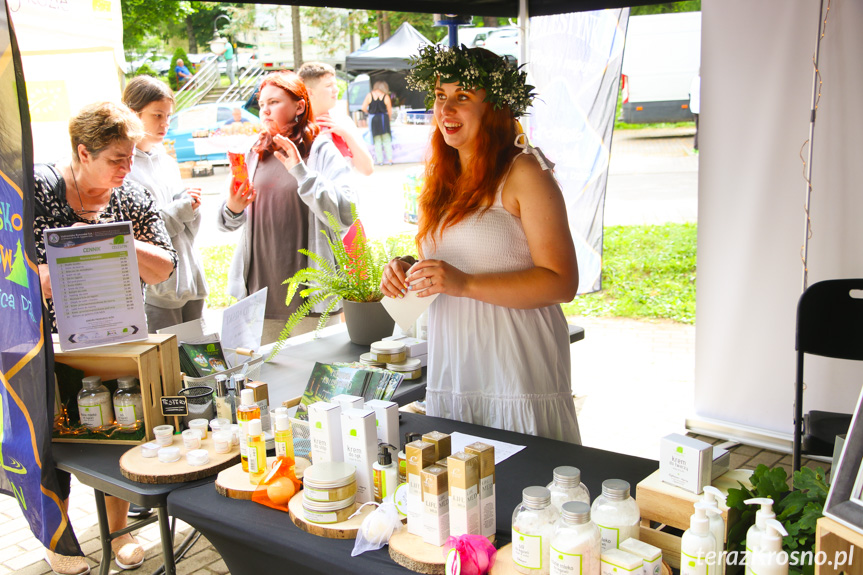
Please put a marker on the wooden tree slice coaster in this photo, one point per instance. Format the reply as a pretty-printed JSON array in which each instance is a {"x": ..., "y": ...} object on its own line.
[
  {"x": 344, "y": 530},
  {"x": 411, "y": 552},
  {"x": 134, "y": 466},
  {"x": 234, "y": 483}
]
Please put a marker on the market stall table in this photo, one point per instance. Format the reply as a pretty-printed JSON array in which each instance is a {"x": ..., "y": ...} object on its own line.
[{"x": 255, "y": 539}]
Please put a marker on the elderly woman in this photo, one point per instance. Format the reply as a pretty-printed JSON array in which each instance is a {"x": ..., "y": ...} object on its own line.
[{"x": 89, "y": 189}]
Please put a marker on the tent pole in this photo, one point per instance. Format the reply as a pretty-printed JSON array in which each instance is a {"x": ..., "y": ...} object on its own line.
[
  {"x": 523, "y": 26},
  {"x": 815, "y": 91}
]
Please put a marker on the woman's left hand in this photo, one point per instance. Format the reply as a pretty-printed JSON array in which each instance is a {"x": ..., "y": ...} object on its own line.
[
  {"x": 429, "y": 277},
  {"x": 291, "y": 156}
]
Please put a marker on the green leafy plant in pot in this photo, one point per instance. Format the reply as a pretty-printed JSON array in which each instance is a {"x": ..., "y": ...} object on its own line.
[{"x": 354, "y": 279}]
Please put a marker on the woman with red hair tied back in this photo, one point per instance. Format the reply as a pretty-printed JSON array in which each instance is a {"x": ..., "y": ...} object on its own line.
[
  {"x": 296, "y": 176},
  {"x": 495, "y": 244}
]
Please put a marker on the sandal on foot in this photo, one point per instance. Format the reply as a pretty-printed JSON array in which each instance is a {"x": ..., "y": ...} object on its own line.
[
  {"x": 128, "y": 553},
  {"x": 66, "y": 564}
]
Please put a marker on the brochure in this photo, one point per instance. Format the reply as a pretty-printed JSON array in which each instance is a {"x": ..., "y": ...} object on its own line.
[{"x": 331, "y": 379}]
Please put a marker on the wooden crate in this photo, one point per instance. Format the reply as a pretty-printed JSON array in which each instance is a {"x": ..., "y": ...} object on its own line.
[
  {"x": 142, "y": 360},
  {"x": 169, "y": 358},
  {"x": 832, "y": 537},
  {"x": 671, "y": 506}
]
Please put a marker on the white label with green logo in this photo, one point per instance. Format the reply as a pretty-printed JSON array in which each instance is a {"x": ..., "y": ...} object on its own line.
[
  {"x": 690, "y": 565},
  {"x": 126, "y": 415},
  {"x": 91, "y": 416},
  {"x": 317, "y": 517},
  {"x": 316, "y": 494},
  {"x": 565, "y": 563},
  {"x": 610, "y": 537},
  {"x": 527, "y": 550}
]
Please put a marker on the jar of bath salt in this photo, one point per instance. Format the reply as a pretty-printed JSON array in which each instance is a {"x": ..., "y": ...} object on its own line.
[
  {"x": 567, "y": 486},
  {"x": 94, "y": 403},
  {"x": 576, "y": 543},
  {"x": 129, "y": 404},
  {"x": 388, "y": 352},
  {"x": 616, "y": 514},
  {"x": 532, "y": 529},
  {"x": 409, "y": 368}
]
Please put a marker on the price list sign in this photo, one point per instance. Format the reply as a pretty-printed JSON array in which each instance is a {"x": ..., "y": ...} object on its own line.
[{"x": 95, "y": 285}]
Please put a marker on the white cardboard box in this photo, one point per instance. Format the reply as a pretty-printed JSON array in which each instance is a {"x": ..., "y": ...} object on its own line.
[
  {"x": 325, "y": 432},
  {"x": 386, "y": 420},
  {"x": 685, "y": 462},
  {"x": 361, "y": 448}
]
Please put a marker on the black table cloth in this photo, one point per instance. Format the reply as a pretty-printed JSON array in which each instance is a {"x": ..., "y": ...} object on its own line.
[{"x": 255, "y": 539}]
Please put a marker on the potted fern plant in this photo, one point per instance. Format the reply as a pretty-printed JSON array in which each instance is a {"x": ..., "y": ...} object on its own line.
[{"x": 354, "y": 280}]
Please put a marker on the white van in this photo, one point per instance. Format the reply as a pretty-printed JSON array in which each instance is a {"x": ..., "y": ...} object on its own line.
[{"x": 661, "y": 57}]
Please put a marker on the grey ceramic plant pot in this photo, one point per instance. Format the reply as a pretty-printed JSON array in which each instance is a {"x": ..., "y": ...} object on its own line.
[{"x": 367, "y": 322}]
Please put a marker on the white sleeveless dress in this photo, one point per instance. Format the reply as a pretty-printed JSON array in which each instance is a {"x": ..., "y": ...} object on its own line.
[{"x": 491, "y": 365}]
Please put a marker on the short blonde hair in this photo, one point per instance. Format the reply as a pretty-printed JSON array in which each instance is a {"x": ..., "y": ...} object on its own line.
[
  {"x": 382, "y": 86},
  {"x": 99, "y": 125},
  {"x": 315, "y": 71}
]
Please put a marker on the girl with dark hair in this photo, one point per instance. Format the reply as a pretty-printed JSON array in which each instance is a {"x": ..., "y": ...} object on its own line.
[
  {"x": 495, "y": 245},
  {"x": 181, "y": 297},
  {"x": 296, "y": 175}
]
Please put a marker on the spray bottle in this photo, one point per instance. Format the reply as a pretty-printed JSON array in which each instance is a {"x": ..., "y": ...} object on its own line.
[
  {"x": 770, "y": 559},
  {"x": 698, "y": 546},
  {"x": 753, "y": 536},
  {"x": 712, "y": 497},
  {"x": 385, "y": 473}
]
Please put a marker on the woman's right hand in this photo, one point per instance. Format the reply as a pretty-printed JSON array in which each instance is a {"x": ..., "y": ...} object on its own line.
[
  {"x": 394, "y": 280},
  {"x": 241, "y": 196}
]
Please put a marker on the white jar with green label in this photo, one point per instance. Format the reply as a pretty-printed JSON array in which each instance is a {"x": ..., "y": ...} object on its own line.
[
  {"x": 532, "y": 530},
  {"x": 576, "y": 543},
  {"x": 129, "y": 404},
  {"x": 94, "y": 403},
  {"x": 616, "y": 514}
]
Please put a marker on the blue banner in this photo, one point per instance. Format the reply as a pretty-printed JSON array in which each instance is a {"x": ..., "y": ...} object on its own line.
[{"x": 26, "y": 391}]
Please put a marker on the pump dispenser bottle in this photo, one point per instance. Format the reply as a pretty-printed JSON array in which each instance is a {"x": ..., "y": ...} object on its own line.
[
  {"x": 246, "y": 412},
  {"x": 712, "y": 496},
  {"x": 256, "y": 452},
  {"x": 402, "y": 461},
  {"x": 385, "y": 474},
  {"x": 698, "y": 546},
  {"x": 225, "y": 407},
  {"x": 770, "y": 559},
  {"x": 753, "y": 536}
]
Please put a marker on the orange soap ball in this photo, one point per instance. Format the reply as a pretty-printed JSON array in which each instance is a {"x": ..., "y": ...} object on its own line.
[{"x": 280, "y": 490}]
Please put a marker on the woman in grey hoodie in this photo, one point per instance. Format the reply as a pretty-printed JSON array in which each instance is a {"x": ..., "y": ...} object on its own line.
[{"x": 181, "y": 297}]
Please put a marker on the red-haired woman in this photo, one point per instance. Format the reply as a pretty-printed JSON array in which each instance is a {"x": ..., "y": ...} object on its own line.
[
  {"x": 496, "y": 246},
  {"x": 296, "y": 175}
]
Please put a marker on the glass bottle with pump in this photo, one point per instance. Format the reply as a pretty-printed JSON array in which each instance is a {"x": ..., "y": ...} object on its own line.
[
  {"x": 576, "y": 544},
  {"x": 532, "y": 530},
  {"x": 94, "y": 403},
  {"x": 256, "y": 449},
  {"x": 284, "y": 436},
  {"x": 129, "y": 404},
  {"x": 567, "y": 486},
  {"x": 616, "y": 514},
  {"x": 385, "y": 474},
  {"x": 225, "y": 406},
  {"x": 246, "y": 412}
]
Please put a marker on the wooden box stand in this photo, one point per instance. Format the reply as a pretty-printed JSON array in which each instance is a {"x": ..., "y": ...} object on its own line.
[
  {"x": 155, "y": 362},
  {"x": 834, "y": 538},
  {"x": 670, "y": 506}
]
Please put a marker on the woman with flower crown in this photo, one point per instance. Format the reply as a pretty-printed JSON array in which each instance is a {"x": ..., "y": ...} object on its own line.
[{"x": 495, "y": 244}]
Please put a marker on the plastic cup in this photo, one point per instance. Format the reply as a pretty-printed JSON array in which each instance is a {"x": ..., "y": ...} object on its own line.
[
  {"x": 164, "y": 434},
  {"x": 219, "y": 424},
  {"x": 201, "y": 424},
  {"x": 222, "y": 441},
  {"x": 192, "y": 439}
]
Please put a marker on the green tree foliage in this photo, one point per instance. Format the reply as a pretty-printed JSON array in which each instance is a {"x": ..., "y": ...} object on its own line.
[
  {"x": 666, "y": 8},
  {"x": 145, "y": 70},
  {"x": 179, "y": 54},
  {"x": 143, "y": 18}
]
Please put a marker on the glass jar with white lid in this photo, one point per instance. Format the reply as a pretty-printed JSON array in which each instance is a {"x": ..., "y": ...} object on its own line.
[
  {"x": 567, "y": 486},
  {"x": 616, "y": 514},
  {"x": 532, "y": 529}
]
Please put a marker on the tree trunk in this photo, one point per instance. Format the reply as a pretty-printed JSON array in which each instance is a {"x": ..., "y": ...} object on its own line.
[
  {"x": 379, "y": 17},
  {"x": 190, "y": 33},
  {"x": 297, "y": 37},
  {"x": 386, "y": 27}
]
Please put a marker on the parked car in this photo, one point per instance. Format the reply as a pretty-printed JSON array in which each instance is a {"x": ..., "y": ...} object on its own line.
[
  {"x": 469, "y": 36},
  {"x": 358, "y": 89},
  {"x": 503, "y": 42},
  {"x": 201, "y": 119}
]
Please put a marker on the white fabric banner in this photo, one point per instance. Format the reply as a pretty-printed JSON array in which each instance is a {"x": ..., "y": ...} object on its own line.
[
  {"x": 755, "y": 98},
  {"x": 574, "y": 62}
]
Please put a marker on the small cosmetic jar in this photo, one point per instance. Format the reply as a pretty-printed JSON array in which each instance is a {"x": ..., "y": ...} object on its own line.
[
  {"x": 201, "y": 424},
  {"x": 219, "y": 424},
  {"x": 222, "y": 441},
  {"x": 366, "y": 359},
  {"x": 192, "y": 439},
  {"x": 169, "y": 454},
  {"x": 150, "y": 449},
  {"x": 164, "y": 434},
  {"x": 411, "y": 368},
  {"x": 329, "y": 511},
  {"x": 198, "y": 457},
  {"x": 388, "y": 352},
  {"x": 235, "y": 434},
  {"x": 330, "y": 481}
]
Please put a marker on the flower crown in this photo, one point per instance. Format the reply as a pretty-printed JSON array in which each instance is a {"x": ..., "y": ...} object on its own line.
[{"x": 504, "y": 84}]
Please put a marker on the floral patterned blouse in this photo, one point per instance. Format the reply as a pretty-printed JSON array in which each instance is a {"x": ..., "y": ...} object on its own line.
[{"x": 131, "y": 202}]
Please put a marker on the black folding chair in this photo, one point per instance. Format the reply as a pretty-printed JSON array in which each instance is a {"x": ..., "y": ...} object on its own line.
[{"x": 829, "y": 324}]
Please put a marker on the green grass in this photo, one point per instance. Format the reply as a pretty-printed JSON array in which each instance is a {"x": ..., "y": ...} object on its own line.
[{"x": 648, "y": 272}]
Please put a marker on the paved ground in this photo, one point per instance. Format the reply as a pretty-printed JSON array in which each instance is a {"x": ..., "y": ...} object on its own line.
[{"x": 632, "y": 379}]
